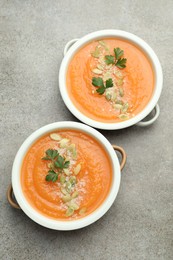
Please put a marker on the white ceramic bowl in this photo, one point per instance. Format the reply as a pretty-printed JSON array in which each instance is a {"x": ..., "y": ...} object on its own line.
[
  {"x": 74, "y": 45},
  {"x": 57, "y": 224}
]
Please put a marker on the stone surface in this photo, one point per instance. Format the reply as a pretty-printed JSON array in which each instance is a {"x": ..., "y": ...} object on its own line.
[{"x": 139, "y": 225}]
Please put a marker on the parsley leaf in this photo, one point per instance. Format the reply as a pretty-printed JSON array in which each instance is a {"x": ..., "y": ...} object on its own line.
[
  {"x": 101, "y": 90},
  {"x": 46, "y": 158},
  {"x": 57, "y": 161},
  {"x": 50, "y": 154},
  {"x": 117, "y": 60},
  {"x": 118, "y": 53},
  {"x": 97, "y": 82},
  {"x": 66, "y": 164},
  {"x": 52, "y": 176},
  {"x": 109, "y": 59},
  {"x": 121, "y": 63},
  {"x": 109, "y": 83},
  {"x": 61, "y": 163}
]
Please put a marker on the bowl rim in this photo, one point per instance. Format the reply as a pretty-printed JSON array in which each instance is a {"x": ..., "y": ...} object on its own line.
[
  {"x": 140, "y": 43},
  {"x": 60, "y": 224}
]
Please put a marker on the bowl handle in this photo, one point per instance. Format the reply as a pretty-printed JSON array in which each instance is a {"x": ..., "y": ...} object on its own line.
[
  {"x": 123, "y": 154},
  {"x": 151, "y": 121},
  {"x": 68, "y": 45},
  {"x": 10, "y": 198}
]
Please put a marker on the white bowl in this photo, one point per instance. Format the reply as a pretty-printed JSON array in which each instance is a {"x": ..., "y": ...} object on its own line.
[
  {"x": 74, "y": 45},
  {"x": 58, "y": 224}
]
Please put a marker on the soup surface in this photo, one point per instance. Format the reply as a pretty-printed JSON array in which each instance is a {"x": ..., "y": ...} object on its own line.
[
  {"x": 66, "y": 175},
  {"x": 110, "y": 80}
]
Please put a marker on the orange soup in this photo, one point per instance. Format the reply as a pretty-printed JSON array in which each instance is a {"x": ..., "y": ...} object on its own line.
[
  {"x": 66, "y": 175},
  {"x": 110, "y": 80}
]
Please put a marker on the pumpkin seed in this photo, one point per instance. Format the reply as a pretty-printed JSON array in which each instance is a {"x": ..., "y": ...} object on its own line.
[
  {"x": 121, "y": 92},
  {"x": 108, "y": 96},
  {"x": 50, "y": 165},
  {"x": 74, "y": 205},
  {"x": 67, "y": 158},
  {"x": 117, "y": 106},
  {"x": 82, "y": 211},
  {"x": 69, "y": 211},
  {"x": 75, "y": 194},
  {"x": 118, "y": 74},
  {"x": 102, "y": 43},
  {"x": 66, "y": 171},
  {"x": 72, "y": 149},
  {"x": 100, "y": 67},
  {"x": 96, "y": 52},
  {"x": 113, "y": 96},
  {"x": 64, "y": 142},
  {"x": 68, "y": 186},
  {"x": 66, "y": 198},
  {"x": 123, "y": 116},
  {"x": 108, "y": 66},
  {"x": 102, "y": 60},
  {"x": 55, "y": 137},
  {"x": 119, "y": 102},
  {"x": 125, "y": 107},
  {"x": 74, "y": 154},
  {"x": 72, "y": 180},
  {"x": 119, "y": 82},
  {"x": 77, "y": 169},
  {"x": 97, "y": 71},
  {"x": 107, "y": 75},
  {"x": 64, "y": 191},
  {"x": 62, "y": 179}
]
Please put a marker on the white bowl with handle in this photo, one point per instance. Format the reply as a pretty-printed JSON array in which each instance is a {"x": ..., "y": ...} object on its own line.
[
  {"x": 74, "y": 45},
  {"x": 21, "y": 201}
]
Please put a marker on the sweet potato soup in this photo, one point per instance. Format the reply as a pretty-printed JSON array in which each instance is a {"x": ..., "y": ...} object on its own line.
[
  {"x": 110, "y": 80},
  {"x": 66, "y": 175}
]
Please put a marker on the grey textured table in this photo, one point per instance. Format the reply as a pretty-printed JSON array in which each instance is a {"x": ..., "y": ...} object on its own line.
[{"x": 139, "y": 225}]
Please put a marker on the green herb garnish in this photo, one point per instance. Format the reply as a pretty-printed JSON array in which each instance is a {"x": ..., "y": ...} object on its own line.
[
  {"x": 109, "y": 83},
  {"x": 117, "y": 60},
  {"x": 58, "y": 164},
  {"x": 109, "y": 59},
  {"x": 52, "y": 176},
  {"x": 98, "y": 82},
  {"x": 50, "y": 154},
  {"x": 121, "y": 63},
  {"x": 61, "y": 163},
  {"x": 118, "y": 53}
]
